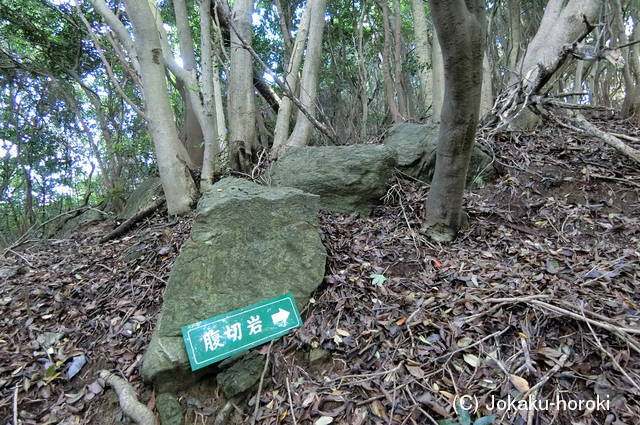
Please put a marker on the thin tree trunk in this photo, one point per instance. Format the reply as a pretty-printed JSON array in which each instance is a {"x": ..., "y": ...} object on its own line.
[
  {"x": 438, "y": 78},
  {"x": 423, "y": 50},
  {"x": 398, "y": 55},
  {"x": 362, "y": 74},
  {"x": 389, "y": 85},
  {"x": 460, "y": 25},
  {"x": 211, "y": 134},
  {"x": 193, "y": 135},
  {"x": 281, "y": 132},
  {"x": 241, "y": 111},
  {"x": 515, "y": 39},
  {"x": 172, "y": 158},
  {"x": 309, "y": 82}
]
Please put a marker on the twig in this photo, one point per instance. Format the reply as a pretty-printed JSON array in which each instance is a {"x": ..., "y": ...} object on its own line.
[
  {"x": 264, "y": 372},
  {"x": 450, "y": 355},
  {"x": 15, "y": 406},
  {"x": 566, "y": 312},
  {"x": 612, "y": 357},
  {"x": 293, "y": 413}
]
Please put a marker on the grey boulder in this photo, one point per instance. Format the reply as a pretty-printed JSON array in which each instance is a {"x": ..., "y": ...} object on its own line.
[
  {"x": 347, "y": 178},
  {"x": 412, "y": 142},
  {"x": 248, "y": 243}
]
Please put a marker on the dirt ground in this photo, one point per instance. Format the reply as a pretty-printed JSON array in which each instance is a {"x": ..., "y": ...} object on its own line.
[{"x": 537, "y": 300}]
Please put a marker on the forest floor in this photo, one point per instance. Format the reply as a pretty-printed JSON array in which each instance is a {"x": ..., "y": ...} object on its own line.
[{"x": 539, "y": 299}]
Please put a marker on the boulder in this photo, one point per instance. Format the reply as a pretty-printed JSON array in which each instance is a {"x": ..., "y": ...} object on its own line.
[
  {"x": 142, "y": 197},
  {"x": 347, "y": 178},
  {"x": 411, "y": 142},
  {"x": 248, "y": 243},
  {"x": 80, "y": 222}
]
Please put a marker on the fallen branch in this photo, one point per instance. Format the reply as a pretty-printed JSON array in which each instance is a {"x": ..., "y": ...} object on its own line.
[
  {"x": 128, "y": 224},
  {"x": 129, "y": 403},
  {"x": 563, "y": 311},
  {"x": 609, "y": 139}
]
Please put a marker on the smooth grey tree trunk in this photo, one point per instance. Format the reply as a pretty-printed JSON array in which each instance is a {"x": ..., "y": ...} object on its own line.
[
  {"x": 301, "y": 133},
  {"x": 281, "y": 132},
  {"x": 179, "y": 188},
  {"x": 192, "y": 133},
  {"x": 461, "y": 26},
  {"x": 423, "y": 50}
]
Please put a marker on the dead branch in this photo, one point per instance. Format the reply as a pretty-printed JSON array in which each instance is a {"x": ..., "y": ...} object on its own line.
[
  {"x": 128, "y": 224},
  {"x": 582, "y": 123},
  {"x": 129, "y": 403}
]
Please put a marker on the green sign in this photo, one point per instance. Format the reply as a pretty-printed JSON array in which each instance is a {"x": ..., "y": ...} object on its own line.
[{"x": 223, "y": 336}]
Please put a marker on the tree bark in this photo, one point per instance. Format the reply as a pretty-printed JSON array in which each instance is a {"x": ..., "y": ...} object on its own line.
[
  {"x": 423, "y": 50},
  {"x": 281, "y": 132},
  {"x": 211, "y": 134},
  {"x": 438, "y": 78},
  {"x": 178, "y": 185},
  {"x": 563, "y": 23},
  {"x": 389, "y": 85},
  {"x": 192, "y": 133},
  {"x": 309, "y": 82},
  {"x": 515, "y": 30},
  {"x": 241, "y": 111},
  {"x": 460, "y": 25}
]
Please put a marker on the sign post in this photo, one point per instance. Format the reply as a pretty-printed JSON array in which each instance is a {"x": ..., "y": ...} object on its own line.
[{"x": 223, "y": 336}]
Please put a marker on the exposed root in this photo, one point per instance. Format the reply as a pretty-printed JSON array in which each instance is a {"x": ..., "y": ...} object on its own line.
[{"x": 129, "y": 403}]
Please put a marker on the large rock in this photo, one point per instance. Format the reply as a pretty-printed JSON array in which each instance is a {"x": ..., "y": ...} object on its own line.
[
  {"x": 413, "y": 141},
  {"x": 142, "y": 197},
  {"x": 248, "y": 243},
  {"x": 79, "y": 222},
  {"x": 347, "y": 178}
]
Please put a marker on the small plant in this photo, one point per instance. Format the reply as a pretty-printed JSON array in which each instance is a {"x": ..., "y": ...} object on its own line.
[
  {"x": 377, "y": 279},
  {"x": 464, "y": 418}
]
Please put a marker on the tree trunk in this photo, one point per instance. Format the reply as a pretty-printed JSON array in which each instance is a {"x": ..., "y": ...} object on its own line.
[
  {"x": 423, "y": 51},
  {"x": 563, "y": 23},
  {"x": 172, "y": 158},
  {"x": 281, "y": 132},
  {"x": 438, "y": 78},
  {"x": 28, "y": 197},
  {"x": 211, "y": 134},
  {"x": 515, "y": 41},
  {"x": 389, "y": 85},
  {"x": 192, "y": 133},
  {"x": 241, "y": 111},
  {"x": 398, "y": 56},
  {"x": 486, "y": 98},
  {"x": 309, "y": 82},
  {"x": 460, "y": 25}
]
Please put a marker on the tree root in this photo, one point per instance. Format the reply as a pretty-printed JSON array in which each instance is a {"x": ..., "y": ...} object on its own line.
[{"x": 129, "y": 403}]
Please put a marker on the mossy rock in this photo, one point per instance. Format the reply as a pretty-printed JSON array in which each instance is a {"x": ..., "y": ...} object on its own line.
[
  {"x": 248, "y": 243},
  {"x": 347, "y": 178}
]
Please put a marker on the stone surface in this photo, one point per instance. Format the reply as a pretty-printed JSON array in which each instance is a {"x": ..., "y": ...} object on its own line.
[
  {"x": 169, "y": 409},
  {"x": 241, "y": 374},
  {"x": 81, "y": 221},
  {"x": 248, "y": 243},
  {"x": 142, "y": 197},
  {"x": 347, "y": 178},
  {"x": 412, "y": 141}
]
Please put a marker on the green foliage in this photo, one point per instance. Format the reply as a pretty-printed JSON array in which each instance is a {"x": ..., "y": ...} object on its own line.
[{"x": 378, "y": 279}]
